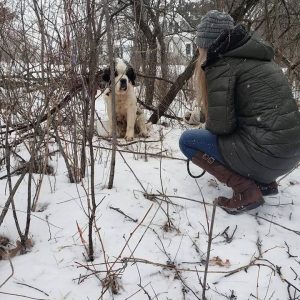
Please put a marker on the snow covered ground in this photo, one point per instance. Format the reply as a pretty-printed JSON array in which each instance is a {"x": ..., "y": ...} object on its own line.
[{"x": 158, "y": 249}]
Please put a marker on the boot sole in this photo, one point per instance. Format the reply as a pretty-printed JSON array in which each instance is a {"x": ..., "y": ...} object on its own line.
[{"x": 237, "y": 211}]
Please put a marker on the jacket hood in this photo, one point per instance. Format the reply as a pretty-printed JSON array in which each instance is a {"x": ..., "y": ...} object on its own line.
[{"x": 239, "y": 43}]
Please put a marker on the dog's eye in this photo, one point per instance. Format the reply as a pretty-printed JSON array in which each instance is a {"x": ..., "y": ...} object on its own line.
[{"x": 131, "y": 75}]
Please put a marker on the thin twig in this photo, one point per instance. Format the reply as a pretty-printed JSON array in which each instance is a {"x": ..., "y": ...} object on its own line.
[
  {"x": 12, "y": 273},
  {"x": 208, "y": 249},
  {"x": 20, "y": 283},
  {"x": 272, "y": 222},
  {"x": 121, "y": 212},
  {"x": 23, "y": 296}
]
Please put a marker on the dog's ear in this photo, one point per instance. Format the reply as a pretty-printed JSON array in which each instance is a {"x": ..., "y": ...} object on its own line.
[
  {"x": 106, "y": 75},
  {"x": 131, "y": 75}
]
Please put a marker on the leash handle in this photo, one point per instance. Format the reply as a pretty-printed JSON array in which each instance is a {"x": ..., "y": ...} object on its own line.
[{"x": 189, "y": 171}]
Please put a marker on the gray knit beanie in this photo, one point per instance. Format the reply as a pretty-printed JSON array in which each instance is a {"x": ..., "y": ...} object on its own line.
[{"x": 211, "y": 26}]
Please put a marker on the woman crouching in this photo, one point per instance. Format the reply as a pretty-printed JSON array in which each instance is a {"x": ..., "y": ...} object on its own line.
[{"x": 252, "y": 133}]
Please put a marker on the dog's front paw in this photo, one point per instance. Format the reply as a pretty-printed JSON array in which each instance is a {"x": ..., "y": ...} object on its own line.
[{"x": 128, "y": 138}]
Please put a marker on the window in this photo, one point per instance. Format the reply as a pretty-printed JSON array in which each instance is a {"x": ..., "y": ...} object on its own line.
[{"x": 188, "y": 49}]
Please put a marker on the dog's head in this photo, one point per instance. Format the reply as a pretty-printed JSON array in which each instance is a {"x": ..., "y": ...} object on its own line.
[{"x": 124, "y": 75}]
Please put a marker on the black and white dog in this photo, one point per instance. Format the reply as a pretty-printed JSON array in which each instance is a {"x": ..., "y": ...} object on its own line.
[{"x": 130, "y": 119}]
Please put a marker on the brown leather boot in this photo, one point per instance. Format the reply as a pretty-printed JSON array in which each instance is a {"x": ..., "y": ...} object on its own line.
[{"x": 246, "y": 194}]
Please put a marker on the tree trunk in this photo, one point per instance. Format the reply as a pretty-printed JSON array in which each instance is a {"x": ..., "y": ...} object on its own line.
[
  {"x": 151, "y": 71},
  {"x": 174, "y": 89}
]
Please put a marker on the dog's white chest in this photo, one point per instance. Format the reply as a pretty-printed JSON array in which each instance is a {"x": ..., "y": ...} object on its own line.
[{"x": 122, "y": 104}]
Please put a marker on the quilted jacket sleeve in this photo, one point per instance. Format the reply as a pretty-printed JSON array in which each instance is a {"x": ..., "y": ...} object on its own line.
[{"x": 221, "y": 118}]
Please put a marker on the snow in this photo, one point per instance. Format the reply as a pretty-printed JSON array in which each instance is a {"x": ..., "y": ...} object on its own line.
[{"x": 55, "y": 264}]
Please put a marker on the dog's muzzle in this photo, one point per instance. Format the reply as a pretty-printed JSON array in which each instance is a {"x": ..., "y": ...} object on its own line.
[{"x": 123, "y": 84}]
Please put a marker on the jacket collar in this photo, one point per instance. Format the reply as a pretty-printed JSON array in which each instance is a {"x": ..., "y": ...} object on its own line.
[{"x": 227, "y": 41}]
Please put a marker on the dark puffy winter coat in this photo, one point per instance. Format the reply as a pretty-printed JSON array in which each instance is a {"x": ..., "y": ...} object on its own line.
[{"x": 251, "y": 107}]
